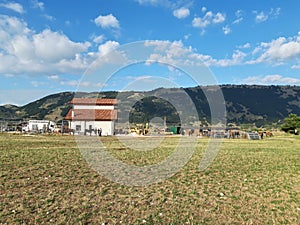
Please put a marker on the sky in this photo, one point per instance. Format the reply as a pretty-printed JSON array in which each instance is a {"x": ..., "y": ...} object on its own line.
[{"x": 50, "y": 46}]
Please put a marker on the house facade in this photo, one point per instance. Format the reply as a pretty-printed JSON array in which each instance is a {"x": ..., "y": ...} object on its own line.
[{"x": 92, "y": 116}]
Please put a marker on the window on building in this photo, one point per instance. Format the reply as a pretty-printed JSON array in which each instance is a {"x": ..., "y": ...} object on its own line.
[
  {"x": 34, "y": 127},
  {"x": 78, "y": 127}
]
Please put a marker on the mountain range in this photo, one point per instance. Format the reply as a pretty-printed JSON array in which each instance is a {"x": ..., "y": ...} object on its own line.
[{"x": 245, "y": 104}]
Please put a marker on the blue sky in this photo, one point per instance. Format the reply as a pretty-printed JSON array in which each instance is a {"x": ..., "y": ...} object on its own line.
[{"x": 47, "y": 46}]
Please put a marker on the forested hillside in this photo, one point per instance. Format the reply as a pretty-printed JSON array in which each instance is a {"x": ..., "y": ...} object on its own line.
[{"x": 244, "y": 103}]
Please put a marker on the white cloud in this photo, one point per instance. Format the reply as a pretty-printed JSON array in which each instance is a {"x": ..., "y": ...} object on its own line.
[
  {"x": 181, "y": 13},
  {"x": 151, "y": 2},
  {"x": 53, "y": 77},
  {"x": 296, "y": 66},
  {"x": 218, "y": 18},
  {"x": 107, "y": 47},
  {"x": 271, "y": 79},
  {"x": 11, "y": 27},
  {"x": 13, "y": 6},
  {"x": 208, "y": 19},
  {"x": 226, "y": 30},
  {"x": 203, "y": 9},
  {"x": 24, "y": 51},
  {"x": 99, "y": 39},
  {"x": 244, "y": 46},
  {"x": 164, "y": 3},
  {"x": 48, "y": 17},
  {"x": 264, "y": 16},
  {"x": 75, "y": 83},
  {"x": 187, "y": 36},
  {"x": 261, "y": 17},
  {"x": 53, "y": 46},
  {"x": 199, "y": 22},
  {"x": 279, "y": 50},
  {"x": 68, "y": 23},
  {"x": 237, "y": 58},
  {"x": 37, "y": 4},
  {"x": 37, "y": 83},
  {"x": 108, "y": 21},
  {"x": 107, "y": 54},
  {"x": 176, "y": 54},
  {"x": 275, "y": 12},
  {"x": 237, "y": 21},
  {"x": 72, "y": 83},
  {"x": 239, "y": 13},
  {"x": 239, "y": 17}
]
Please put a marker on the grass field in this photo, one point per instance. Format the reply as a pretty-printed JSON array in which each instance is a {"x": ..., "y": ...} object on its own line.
[{"x": 45, "y": 180}]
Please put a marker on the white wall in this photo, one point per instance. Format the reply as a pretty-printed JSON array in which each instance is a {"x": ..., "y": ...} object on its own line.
[
  {"x": 38, "y": 124},
  {"x": 93, "y": 107},
  {"x": 106, "y": 126}
]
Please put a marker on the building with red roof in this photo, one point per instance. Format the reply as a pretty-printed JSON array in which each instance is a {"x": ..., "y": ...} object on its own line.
[{"x": 92, "y": 116}]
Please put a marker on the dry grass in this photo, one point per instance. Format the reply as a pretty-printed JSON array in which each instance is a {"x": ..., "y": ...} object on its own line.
[{"x": 44, "y": 179}]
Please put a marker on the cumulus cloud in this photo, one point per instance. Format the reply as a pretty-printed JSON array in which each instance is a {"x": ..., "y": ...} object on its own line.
[
  {"x": 53, "y": 46},
  {"x": 22, "y": 50},
  {"x": 108, "y": 21},
  {"x": 176, "y": 54},
  {"x": 237, "y": 58},
  {"x": 264, "y": 16},
  {"x": 107, "y": 47},
  {"x": 13, "y": 6},
  {"x": 209, "y": 18},
  {"x": 226, "y": 30},
  {"x": 274, "y": 79},
  {"x": 181, "y": 13},
  {"x": 37, "y": 4},
  {"x": 261, "y": 17},
  {"x": 279, "y": 50}
]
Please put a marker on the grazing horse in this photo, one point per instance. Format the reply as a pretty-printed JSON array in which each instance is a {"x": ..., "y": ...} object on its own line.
[
  {"x": 234, "y": 134},
  {"x": 269, "y": 134}
]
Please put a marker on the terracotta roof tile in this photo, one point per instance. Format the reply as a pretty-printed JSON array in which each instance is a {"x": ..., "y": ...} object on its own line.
[{"x": 92, "y": 115}]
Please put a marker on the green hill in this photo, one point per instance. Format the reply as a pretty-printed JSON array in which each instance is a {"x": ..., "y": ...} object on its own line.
[{"x": 253, "y": 104}]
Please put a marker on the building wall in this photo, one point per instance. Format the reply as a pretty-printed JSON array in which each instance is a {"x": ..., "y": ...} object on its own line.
[
  {"x": 38, "y": 125},
  {"x": 93, "y": 107},
  {"x": 91, "y": 127}
]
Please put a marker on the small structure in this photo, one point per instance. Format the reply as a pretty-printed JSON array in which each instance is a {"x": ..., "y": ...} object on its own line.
[
  {"x": 39, "y": 126},
  {"x": 92, "y": 116}
]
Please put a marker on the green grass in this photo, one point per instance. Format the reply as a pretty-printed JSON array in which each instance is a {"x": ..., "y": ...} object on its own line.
[{"x": 44, "y": 179}]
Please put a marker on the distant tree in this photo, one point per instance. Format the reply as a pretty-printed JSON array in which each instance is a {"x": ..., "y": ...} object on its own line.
[{"x": 291, "y": 124}]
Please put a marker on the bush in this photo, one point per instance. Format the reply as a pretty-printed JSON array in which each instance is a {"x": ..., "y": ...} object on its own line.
[{"x": 291, "y": 124}]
